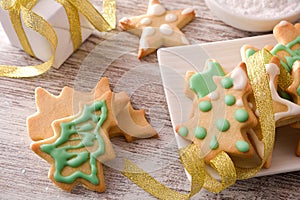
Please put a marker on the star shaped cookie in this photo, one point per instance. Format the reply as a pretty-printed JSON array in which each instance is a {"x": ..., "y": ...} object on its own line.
[{"x": 158, "y": 27}]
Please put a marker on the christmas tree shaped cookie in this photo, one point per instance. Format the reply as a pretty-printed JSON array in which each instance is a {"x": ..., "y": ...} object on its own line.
[
  {"x": 158, "y": 27},
  {"x": 221, "y": 118},
  {"x": 76, "y": 144}
]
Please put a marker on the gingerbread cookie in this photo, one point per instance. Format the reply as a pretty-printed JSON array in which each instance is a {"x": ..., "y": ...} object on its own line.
[
  {"x": 158, "y": 27},
  {"x": 221, "y": 113},
  {"x": 72, "y": 132}
]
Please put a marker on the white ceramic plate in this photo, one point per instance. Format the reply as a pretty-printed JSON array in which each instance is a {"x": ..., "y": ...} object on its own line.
[{"x": 175, "y": 61}]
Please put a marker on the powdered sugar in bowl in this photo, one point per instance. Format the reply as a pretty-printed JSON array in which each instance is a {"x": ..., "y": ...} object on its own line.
[{"x": 255, "y": 15}]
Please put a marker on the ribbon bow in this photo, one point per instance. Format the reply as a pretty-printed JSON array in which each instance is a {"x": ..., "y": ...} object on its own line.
[{"x": 22, "y": 9}]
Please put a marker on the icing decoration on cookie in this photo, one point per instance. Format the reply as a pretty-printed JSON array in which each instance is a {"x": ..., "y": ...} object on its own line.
[
  {"x": 202, "y": 83},
  {"x": 76, "y": 145},
  {"x": 170, "y": 18},
  {"x": 292, "y": 108},
  {"x": 239, "y": 103},
  {"x": 239, "y": 78},
  {"x": 229, "y": 100},
  {"x": 200, "y": 132},
  {"x": 293, "y": 54},
  {"x": 214, "y": 96},
  {"x": 156, "y": 10},
  {"x": 187, "y": 11},
  {"x": 288, "y": 47},
  {"x": 205, "y": 106},
  {"x": 86, "y": 130},
  {"x": 183, "y": 131},
  {"x": 166, "y": 23},
  {"x": 222, "y": 125},
  {"x": 166, "y": 29},
  {"x": 214, "y": 143},
  {"x": 242, "y": 146},
  {"x": 250, "y": 52},
  {"x": 227, "y": 82},
  {"x": 241, "y": 115}
]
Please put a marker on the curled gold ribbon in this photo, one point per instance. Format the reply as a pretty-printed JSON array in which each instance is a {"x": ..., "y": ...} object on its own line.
[
  {"x": 223, "y": 164},
  {"x": 263, "y": 98},
  {"x": 194, "y": 164},
  {"x": 190, "y": 157},
  {"x": 38, "y": 24}
]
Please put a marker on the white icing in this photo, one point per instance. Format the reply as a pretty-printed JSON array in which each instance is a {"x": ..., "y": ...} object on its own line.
[
  {"x": 256, "y": 113},
  {"x": 250, "y": 105},
  {"x": 146, "y": 21},
  {"x": 187, "y": 11},
  {"x": 293, "y": 109},
  {"x": 214, "y": 96},
  {"x": 156, "y": 10},
  {"x": 184, "y": 40},
  {"x": 239, "y": 79},
  {"x": 166, "y": 29},
  {"x": 283, "y": 23},
  {"x": 239, "y": 103},
  {"x": 147, "y": 31},
  {"x": 170, "y": 18}
]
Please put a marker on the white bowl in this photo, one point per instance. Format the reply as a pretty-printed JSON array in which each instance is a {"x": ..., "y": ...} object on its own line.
[{"x": 248, "y": 23}]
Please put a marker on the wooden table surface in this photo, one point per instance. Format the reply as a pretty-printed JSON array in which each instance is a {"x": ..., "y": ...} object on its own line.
[{"x": 23, "y": 175}]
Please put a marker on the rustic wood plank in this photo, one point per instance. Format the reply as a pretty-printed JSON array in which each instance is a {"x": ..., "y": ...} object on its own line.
[{"x": 24, "y": 176}]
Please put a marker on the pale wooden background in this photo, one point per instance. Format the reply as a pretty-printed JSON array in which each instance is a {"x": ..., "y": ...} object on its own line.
[{"x": 23, "y": 175}]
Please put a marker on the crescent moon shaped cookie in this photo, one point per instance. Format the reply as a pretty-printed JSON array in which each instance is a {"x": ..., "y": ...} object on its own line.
[
  {"x": 72, "y": 132},
  {"x": 158, "y": 27}
]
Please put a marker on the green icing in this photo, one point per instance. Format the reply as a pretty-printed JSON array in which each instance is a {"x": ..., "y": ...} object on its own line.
[
  {"x": 250, "y": 52},
  {"x": 83, "y": 130},
  {"x": 284, "y": 95},
  {"x": 242, "y": 146},
  {"x": 229, "y": 100},
  {"x": 202, "y": 83},
  {"x": 200, "y": 132},
  {"x": 227, "y": 82},
  {"x": 241, "y": 115},
  {"x": 298, "y": 90},
  {"x": 183, "y": 131},
  {"x": 294, "y": 54},
  {"x": 214, "y": 144},
  {"x": 222, "y": 125},
  {"x": 205, "y": 106}
]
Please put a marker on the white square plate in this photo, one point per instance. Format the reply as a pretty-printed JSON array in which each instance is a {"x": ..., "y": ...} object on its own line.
[{"x": 175, "y": 61}]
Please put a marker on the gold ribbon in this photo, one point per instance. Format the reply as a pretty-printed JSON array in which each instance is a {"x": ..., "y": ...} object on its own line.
[
  {"x": 263, "y": 99},
  {"x": 192, "y": 162},
  {"x": 38, "y": 24},
  {"x": 222, "y": 163}
]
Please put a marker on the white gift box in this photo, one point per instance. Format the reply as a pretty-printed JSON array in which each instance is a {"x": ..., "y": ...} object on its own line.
[{"x": 55, "y": 14}]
